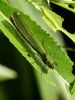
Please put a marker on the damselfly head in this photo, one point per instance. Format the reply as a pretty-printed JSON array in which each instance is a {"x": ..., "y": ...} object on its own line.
[
  {"x": 72, "y": 6},
  {"x": 48, "y": 62},
  {"x": 29, "y": 55},
  {"x": 51, "y": 65}
]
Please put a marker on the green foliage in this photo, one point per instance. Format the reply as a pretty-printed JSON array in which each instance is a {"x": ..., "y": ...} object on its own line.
[{"x": 44, "y": 25}]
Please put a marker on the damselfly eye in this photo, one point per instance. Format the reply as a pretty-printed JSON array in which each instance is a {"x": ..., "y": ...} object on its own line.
[
  {"x": 71, "y": 6},
  {"x": 28, "y": 55}
]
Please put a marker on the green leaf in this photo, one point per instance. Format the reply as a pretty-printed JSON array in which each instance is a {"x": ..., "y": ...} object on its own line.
[
  {"x": 73, "y": 96},
  {"x": 51, "y": 48},
  {"x": 55, "y": 22},
  {"x": 52, "y": 19},
  {"x": 6, "y": 9},
  {"x": 72, "y": 87},
  {"x": 63, "y": 68},
  {"x": 37, "y": 1}
]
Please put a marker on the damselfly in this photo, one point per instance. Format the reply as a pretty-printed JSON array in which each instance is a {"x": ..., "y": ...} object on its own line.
[{"x": 27, "y": 34}]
